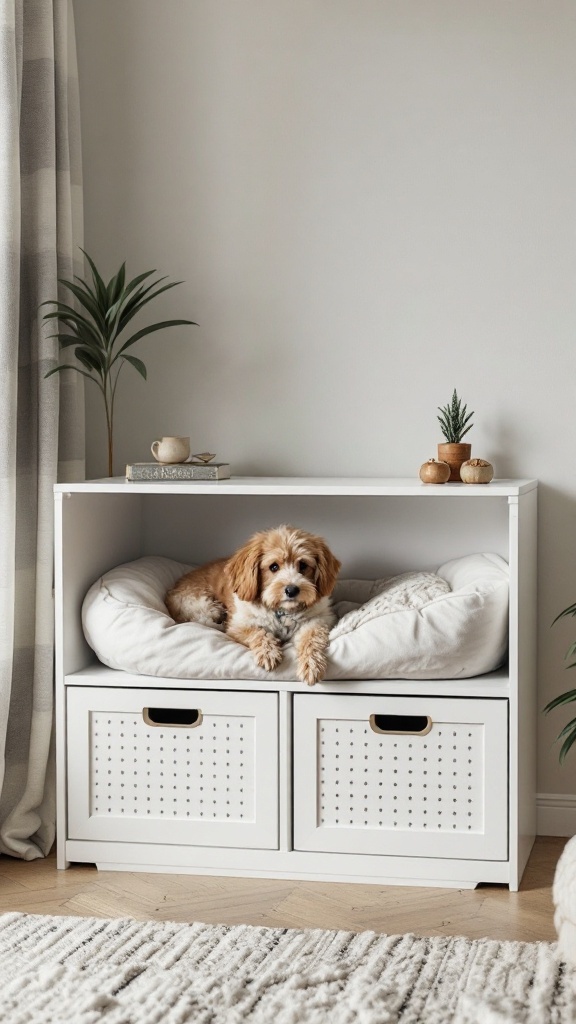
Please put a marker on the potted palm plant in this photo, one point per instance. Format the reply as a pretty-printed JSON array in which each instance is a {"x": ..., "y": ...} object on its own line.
[
  {"x": 95, "y": 332},
  {"x": 455, "y": 423},
  {"x": 568, "y": 733}
]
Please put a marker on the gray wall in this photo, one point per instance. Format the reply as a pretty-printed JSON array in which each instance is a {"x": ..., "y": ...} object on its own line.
[{"x": 371, "y": 202}]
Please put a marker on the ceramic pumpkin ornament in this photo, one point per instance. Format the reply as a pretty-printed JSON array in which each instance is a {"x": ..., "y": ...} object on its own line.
[
  {"x": 476, "y": 471},
  {"x": 433, "y": 472}
]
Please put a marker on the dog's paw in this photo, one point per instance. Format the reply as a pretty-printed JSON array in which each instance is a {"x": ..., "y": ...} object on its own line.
[
  {"x": 312, "y": 647},
  {"x": 311, "y": 671},
  {"x": 267, "y": 652}
]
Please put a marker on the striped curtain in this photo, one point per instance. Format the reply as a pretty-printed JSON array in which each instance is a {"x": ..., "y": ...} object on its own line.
[{"x": 41, "y": 421}]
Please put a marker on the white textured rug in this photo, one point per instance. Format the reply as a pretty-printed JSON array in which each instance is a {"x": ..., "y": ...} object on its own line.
[{"x": 73, "y": 970}]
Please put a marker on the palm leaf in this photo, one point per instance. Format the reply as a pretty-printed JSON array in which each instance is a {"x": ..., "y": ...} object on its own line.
[
  {"x": 112, "y": 315},
  {"x": 128, "y": 314},
  {"x": 571, "y": 610},
  {"x": 90, "y": 361},
  {"x": 74, "y": 339},
  {"x": 87, "y": 300},
  {"x": 145, "y": 297},
  {"x": 97, "y": 358},
  {"x": 134, "y": 284},
  {"x": 568, "y": 743},
  {"x": 132, "y": 302},
  {"x": 80, "y": 338},
  {"x": 98, "y": 282},
  {"x": 568, "y": 728},
  {"x": 149, "y": 330},
  {"x": 137, "y": 280},
  {"x": 570, "y": 653},
  {"x": 85, "y": 357},
  {"x": 137, "y": 364},
  {"x": 138, "y": 300},
  {"x": 91, "y": 297},
  {"x": 564, "y": 698},
  {"x": 116, "y": 285},
  {"x": 67, "y": 314},
  {"x": 66, "y": 340},
  {"x": 68, "y": 366}
]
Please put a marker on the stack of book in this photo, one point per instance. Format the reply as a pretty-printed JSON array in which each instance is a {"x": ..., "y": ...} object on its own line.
[{"x": 178, "y": 471}]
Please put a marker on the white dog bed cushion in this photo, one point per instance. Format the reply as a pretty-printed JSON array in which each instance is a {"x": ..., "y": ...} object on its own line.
[{"x": 452, "y": 624}]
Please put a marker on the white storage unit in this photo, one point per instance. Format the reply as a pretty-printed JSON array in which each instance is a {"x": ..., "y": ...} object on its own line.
[{"x": 428, "y": 782}]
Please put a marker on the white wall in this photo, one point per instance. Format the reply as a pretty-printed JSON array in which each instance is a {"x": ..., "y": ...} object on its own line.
[{"x": 371, "y": 202}]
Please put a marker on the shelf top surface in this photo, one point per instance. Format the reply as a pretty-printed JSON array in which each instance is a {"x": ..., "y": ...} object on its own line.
[
  {"x": 300, "y": 485},
  {"x": 494, "y": 684}
]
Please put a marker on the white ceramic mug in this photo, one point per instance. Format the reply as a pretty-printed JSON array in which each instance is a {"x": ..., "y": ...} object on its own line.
[{"x": 171, "y": 449}]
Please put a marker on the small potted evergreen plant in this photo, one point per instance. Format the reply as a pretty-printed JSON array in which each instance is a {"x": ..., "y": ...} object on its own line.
[
  {"x": 568, "y": 733},
  {"x": 455, "y": 423}
]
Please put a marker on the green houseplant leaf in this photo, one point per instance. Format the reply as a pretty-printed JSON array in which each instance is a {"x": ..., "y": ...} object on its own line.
[
  {"x": 96, "y": 327},
  {"x": 454, "y": 420},
  {"x": 137, "y": 364},
  {"x": 568, "y": 733}
]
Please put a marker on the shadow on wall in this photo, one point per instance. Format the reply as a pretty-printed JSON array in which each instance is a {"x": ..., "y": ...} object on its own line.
[
  {"x": 505, "y": 440},
  {"x": 556, "y": 585},
  {"x": 556, "y": 544}
]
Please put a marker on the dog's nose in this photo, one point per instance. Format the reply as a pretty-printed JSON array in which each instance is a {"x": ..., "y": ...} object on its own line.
[{"x": 291, "y": 590}]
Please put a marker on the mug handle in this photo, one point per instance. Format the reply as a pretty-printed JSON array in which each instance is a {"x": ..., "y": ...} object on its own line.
[{"x": 154, "y": 448}]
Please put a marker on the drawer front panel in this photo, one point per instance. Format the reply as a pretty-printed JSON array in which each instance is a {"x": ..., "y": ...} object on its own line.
[
  {"x": 397, "y": 775},
  {"x": 194, "y": 767},
  {"x": 172, "y": 773}
]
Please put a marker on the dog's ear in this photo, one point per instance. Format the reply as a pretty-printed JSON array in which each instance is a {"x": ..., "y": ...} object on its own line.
[
  {"x": 243, "y": 570},
  {"x": 327, "y": 569}
]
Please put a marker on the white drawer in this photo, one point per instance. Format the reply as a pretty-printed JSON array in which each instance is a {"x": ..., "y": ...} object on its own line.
[
  {"x": 194, "y": 767},
  {"x": 433, "y": 783}
]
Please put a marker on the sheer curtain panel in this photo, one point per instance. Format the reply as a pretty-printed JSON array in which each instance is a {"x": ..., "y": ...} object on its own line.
[{"x": 41, "y": 421}]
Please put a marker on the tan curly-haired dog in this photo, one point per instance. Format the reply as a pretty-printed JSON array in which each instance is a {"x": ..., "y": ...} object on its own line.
[{"x": 276, "y": 588}]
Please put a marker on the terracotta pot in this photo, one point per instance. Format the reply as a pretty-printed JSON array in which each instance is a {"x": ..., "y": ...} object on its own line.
[
  {"x": 476, "y": 471},
  {"x": 454, "y": 455},
  {"x": 433, "y": 472}
]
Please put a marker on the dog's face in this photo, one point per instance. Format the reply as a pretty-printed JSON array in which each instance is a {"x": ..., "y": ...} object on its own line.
[{"x": 284, "y": 568}]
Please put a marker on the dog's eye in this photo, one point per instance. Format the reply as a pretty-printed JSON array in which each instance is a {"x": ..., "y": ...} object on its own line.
[
  {"x": 302, "y": 566},
  {"x": 274, "y": 567}
]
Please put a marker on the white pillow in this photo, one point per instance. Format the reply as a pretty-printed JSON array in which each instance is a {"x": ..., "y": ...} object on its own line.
[{"x": 452, "y": 624}]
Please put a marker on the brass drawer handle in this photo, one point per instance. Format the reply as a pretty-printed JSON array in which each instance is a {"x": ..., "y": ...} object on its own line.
[
  {"x": 174, "y": 718},
  {"x": 401, "y": 725}
]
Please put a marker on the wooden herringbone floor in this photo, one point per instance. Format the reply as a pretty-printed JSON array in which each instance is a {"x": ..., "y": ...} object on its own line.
[{"x": 37, "y": 887}]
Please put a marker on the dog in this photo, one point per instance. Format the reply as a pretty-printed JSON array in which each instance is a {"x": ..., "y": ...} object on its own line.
[{"x": 274, "y": 589}]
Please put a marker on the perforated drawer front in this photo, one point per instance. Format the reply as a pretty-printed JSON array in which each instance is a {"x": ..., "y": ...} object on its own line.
[
  {"x": 397, "y": 775},
  {"x": 197, "y": 767}
]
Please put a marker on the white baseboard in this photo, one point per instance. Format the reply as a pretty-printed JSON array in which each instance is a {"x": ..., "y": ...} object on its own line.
[{"x": 556, "y": 814}]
